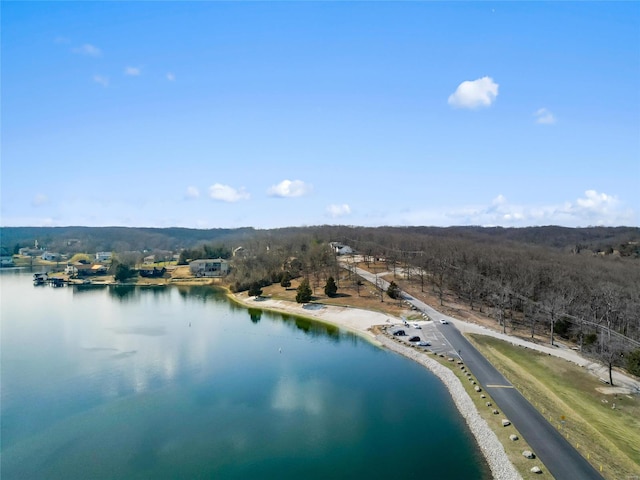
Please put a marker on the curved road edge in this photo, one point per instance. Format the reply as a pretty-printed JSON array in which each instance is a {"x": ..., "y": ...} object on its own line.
[{"x": 561, "y": 459}]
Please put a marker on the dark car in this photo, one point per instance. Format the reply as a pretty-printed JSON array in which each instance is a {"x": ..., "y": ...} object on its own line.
[
  {"x": 399, "y": 333},
  {"x": 414, "y": 339}
]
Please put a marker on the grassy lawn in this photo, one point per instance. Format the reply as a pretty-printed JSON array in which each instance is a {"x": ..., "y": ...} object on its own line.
[{"x": 569, "y": 398}]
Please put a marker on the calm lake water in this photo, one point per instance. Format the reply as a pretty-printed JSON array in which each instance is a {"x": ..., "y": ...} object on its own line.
[{"x": 128, "y": 383}]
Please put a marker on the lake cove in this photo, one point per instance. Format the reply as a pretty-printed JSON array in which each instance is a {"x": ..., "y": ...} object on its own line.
[{"x": 126, "y": 382}]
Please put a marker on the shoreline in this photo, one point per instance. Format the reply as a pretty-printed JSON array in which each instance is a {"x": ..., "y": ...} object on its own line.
[{"x": 361, "y": 322}]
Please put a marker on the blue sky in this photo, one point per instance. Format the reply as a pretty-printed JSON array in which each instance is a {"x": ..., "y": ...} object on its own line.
[{"x": 273, "y": 114}]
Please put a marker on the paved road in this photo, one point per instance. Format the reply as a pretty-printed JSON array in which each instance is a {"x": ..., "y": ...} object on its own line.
[{"x": 557, "y": 454}]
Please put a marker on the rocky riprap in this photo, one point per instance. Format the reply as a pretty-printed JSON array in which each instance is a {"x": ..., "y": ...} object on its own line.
[{"x": 493, "y": 451}]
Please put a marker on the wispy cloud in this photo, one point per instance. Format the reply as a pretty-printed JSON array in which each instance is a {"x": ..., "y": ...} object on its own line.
[
  {"x": 101, "y": 80},
  {"x": 39, "y": 200},
  {"x": 226, "y": 193},
  {"x": 594, "y": 208},
  {"x": 171, "y": 77},
  {"x": 192, "y": 192},
  {"x": 133, "y": 71},
  {"x": 544, "y": 116},
  {"x": 289, "y": 188},
  {"x": 339, "y": 210},
  {"x": 88, "y": 50},
  {"x": 473, "y": 94},
  {"x": 61, "y": 40}
]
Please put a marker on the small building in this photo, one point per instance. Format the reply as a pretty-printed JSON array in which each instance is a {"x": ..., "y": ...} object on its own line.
[
  {"x": 30, "y": 252},
  {"x": 149, "y": 259},
  {"x": 50, "y": 256},
  {"x": 340, "y": 248},
  {"x": 6, "y": 261},
  {"x": 152, "y": 272},
  {"x": 84, "y": 270},
  {"x": 218, "y": 267},
  {"x": 103, "y": 256}
]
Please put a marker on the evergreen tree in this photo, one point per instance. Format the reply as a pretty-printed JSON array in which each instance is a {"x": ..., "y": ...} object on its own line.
[
  {"x": 304, "y": 292},
  {"x": 393, "y": 291},
  {"x": 123, "y": 272},
  {"x": 633, "y": 362},
  {"x": 330, "y": 289},
  {"x": 286, "y": 280}
]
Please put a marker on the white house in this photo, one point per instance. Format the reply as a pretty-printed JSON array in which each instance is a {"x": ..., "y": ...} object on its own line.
[
  {"x": 50, "y": 256},
  {"x": 209, "y": 268},
  {"x": 341, "y": 249},
  {"x": 103, "y": 256}
]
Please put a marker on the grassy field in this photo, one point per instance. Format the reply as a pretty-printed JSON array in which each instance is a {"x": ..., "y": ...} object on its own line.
[{"x": 605, "y": 428}]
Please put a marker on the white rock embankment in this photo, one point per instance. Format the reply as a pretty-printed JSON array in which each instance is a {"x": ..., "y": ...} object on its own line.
[{"x": 493, "y": 451}]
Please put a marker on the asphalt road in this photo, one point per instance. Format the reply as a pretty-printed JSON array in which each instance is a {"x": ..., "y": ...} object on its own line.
[{"x": 557, "y": 454}]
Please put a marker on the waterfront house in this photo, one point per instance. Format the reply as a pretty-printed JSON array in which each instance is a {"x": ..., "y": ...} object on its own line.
[
  {"x": 84, "y": 270},
  {"x": 6, "y": 261},
  {"x": 218, "y": 267},
  {"x": 103, "y": 256},
  {"x": 50, "y": 256}
]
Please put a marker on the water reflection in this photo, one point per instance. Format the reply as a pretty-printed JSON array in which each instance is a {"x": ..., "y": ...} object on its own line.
[
  {"x": 202, "y": 293},
  {"x": 124, "y": 293},
  {"x": 313, "y": 328},
  {"x": 255, "y": 314},
  {"x": 88, "y": 288}
]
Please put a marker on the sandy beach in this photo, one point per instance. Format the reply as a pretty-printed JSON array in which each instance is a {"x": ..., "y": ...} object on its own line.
[{"x": 347, "y": 318}]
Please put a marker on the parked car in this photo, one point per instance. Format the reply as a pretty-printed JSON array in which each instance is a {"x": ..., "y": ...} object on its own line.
[
  {"x": 416, "y": 325},
  {"x": 399, "y": 333},
  {"x": 414, "y": 339},
  {"x": 443, "y": 321},
  {"x": 424, "y": 343}
]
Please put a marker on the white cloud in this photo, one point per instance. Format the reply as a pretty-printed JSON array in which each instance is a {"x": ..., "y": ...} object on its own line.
[
  {"x": 88, "y": 50},
  {"x": 101, "y": 80},
  {"x": 171, "y": 77},
  {"x": 544, "y": 116},
  {"x": 225, "y": 193},
  {"x": 39, "y": 199},
  {"x": 288, "y": 188},
  {"x": 339, "y": 210},
  {"x": 133, "y": 71},
  {"x": 192, "y": 192},
  {"x": 473, "y": 94},
  {"x": 594, "y": 208},
  {"x": 293, "y": 395}
]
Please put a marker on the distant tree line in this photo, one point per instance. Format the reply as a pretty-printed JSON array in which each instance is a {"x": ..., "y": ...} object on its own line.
[{"x": 592, "y": 300}]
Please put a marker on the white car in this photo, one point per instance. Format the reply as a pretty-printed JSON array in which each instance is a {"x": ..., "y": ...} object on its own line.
[
  {"x": 424, "y": 344},
  {"x": 416, "y": 325},
  {"x": 443, "y": 321}
]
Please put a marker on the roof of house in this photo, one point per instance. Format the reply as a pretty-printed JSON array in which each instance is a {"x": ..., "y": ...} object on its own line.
[{"x": 210, "y": 260}]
